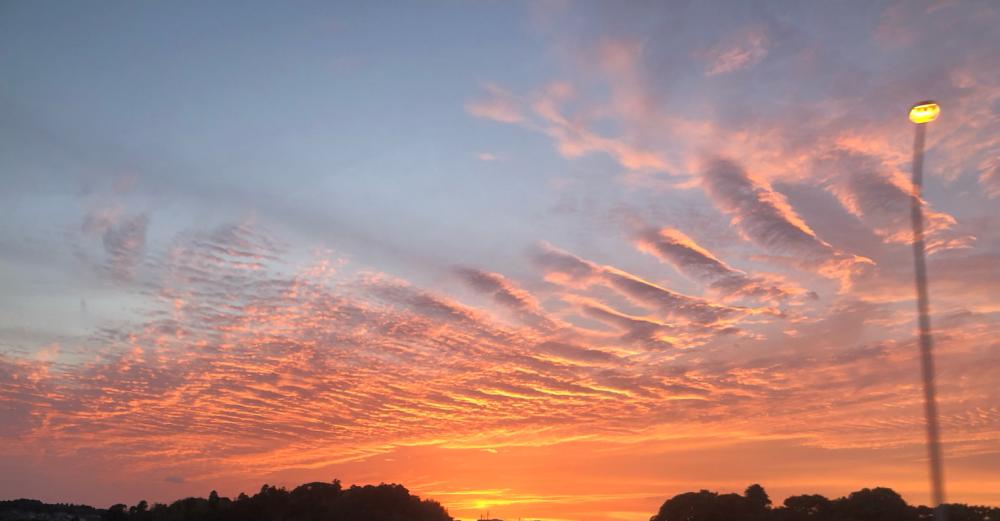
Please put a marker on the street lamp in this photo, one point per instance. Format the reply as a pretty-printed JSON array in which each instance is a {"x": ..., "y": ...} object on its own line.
[{"x": 923, "y": 113}]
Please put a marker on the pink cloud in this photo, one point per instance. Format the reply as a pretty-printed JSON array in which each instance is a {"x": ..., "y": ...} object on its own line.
[
  {"x": 881, "y": 198},
  {"x": 762, "y": 215},
  {"x": 990, "y": 181},
  {"x": 567, "y": 269},
  {"x": 741, "y": 51},
  {"x": 696, "y": 263},
  {"x": 507, "y": 295},
  {"x": 501, "y": 106},
  {"x": 573, "y": 135}
]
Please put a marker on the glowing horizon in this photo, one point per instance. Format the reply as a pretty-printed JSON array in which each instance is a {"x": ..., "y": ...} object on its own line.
[{"x": 554, "y": 261}]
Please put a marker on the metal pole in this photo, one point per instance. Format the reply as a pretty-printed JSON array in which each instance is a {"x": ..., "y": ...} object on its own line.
[{"x": 926, "y": 358}]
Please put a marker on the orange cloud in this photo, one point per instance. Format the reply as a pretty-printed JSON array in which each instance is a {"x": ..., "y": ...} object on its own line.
[
  {"x": 696, "y": 263},
  {"x": 249, "y": 366},
  {"x": 564, "y": 268}
]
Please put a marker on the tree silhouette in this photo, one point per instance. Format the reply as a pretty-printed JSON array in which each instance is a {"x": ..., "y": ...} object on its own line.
[
  {"x": 877, "y": 504},
  {"x": 756, "y": 504},
  {"x": 806, "y": 508},
  {"x": 756, "y": 498},
  {"x": 753, "y": 505},
  {"x": 117, "y": 512},
  {"x": 391, "y": 502},
  {"x": 308, "y": 502}
]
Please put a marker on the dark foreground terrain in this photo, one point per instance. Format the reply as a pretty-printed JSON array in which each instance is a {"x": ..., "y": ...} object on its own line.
[
  {"x": 331, "y": 502},
  {"x": 878, "y": 504},
  {"x": 309, "y": 502}
]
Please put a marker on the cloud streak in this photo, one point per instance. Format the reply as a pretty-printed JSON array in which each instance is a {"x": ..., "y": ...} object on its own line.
[
  {"x": 500, "y": 105},
  {"x": 764, "y": 217},
  {"x": 741, "y": 51},
  {"x": 506, "y": 295},
  {"x": 696, "y": 263},
  {"x": 573, "y": 135},
  {"x": 881, "y": 199},
  {"x": 567, "y": 269}
]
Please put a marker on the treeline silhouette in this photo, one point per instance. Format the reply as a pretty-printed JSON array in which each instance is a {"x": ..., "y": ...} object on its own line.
[
  {"x": 331, "y": 502},
  {"x": 877, "y": 504},
  {"x": 37, "y": 507},
  {"x": 310, "y": 502}
]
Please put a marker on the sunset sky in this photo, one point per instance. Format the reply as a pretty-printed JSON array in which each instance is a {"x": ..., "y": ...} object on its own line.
[{"x": 554, "y": 260}]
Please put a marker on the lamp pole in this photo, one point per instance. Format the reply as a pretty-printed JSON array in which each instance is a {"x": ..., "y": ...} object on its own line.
[{"x": 921, "y": 114}]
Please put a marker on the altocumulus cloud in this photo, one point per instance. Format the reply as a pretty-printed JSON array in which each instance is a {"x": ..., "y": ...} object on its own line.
[{"x": 304, "y": 366}]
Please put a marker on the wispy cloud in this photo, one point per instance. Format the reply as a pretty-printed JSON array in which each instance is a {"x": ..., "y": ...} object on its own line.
[
  {"x": 573, "y": 134},
  {"x": 565, "y": 268},
  {"x": 507, "y": 295},
  {"x": 500, "y": 105},
  {"x": 124, "y": 244},
  {"x": 696, "y": 263},
  {"x": 739, "y": 51},
  {"x": 123, "y": 237},
  {"x": 881, "y": 198},
  {"x": 990, "y": 181},
  {"x": 764, "y": 217}
]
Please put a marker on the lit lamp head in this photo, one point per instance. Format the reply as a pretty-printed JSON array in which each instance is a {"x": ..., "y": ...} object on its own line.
[{"x": 924, "y": 112}]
